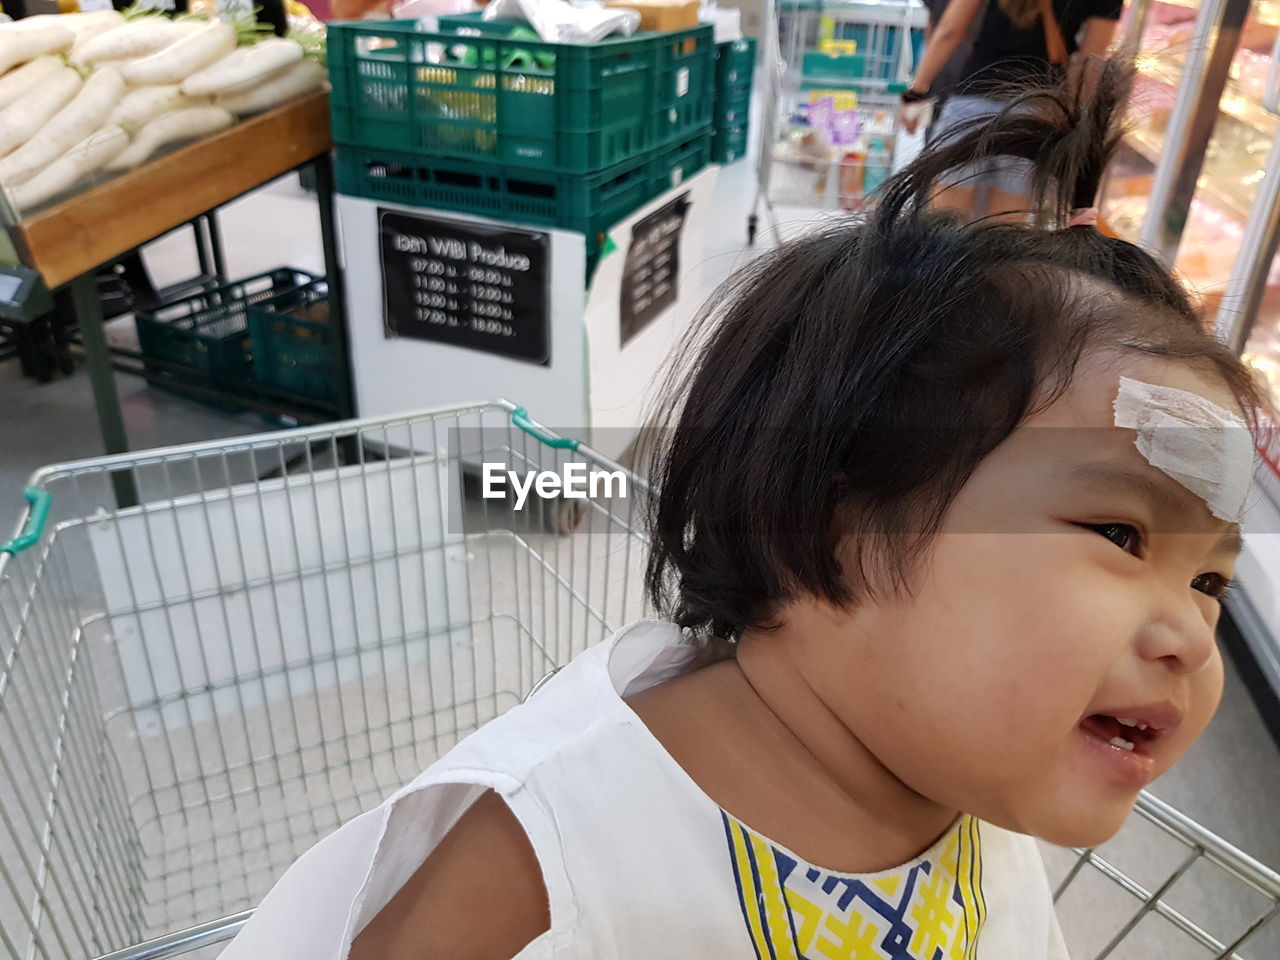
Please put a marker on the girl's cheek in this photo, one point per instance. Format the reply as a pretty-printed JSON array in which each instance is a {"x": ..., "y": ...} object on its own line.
[{"x": 1206, "y": 691}]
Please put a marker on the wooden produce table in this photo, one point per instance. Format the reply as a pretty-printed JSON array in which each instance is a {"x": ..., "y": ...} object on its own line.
[{"x": 69, "y": 242}]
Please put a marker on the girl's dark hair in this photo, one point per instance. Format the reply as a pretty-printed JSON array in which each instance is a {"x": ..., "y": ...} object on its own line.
[{"x": 839, "y": 392}]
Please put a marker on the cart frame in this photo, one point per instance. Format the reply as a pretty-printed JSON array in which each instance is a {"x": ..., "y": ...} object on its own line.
[{"x": 889, "y": 24}]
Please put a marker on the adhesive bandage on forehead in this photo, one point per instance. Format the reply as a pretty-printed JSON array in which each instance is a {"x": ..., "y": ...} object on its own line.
[{"x": 1205, "y": 448}]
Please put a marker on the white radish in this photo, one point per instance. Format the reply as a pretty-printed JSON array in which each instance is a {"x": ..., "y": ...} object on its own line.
[
  {"x": 66, "y": 128},
  {"x": 88, "y": 29},
  {"x": 187, "y": 55},
  {"x": 138, "y": 38},
  {"x": 143, "y": 105},
  {"x": 20, "y": 43},
  {"x": 244, "y": 68},
  {"x": 15, "y": 84},
  {"x": 77, "y": 23},
  {"x": 20, "y": 121},
  {"x": 302, "y": 77},
  {"x": 188, "y": 124},
  {"x": 64, "y": 173}
]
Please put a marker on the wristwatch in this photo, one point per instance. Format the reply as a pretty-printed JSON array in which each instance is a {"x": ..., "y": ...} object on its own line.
[{"x": 913, "y": 96}]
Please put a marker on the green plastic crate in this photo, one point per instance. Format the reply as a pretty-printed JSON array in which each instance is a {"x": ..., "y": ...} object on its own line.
[
  {"x": 467, "y": 90},
  {"x": 680, "y": 161},
  {"x": 589, "y": 204},
  {"x": 209, "y": 331},
  {"x": 686, "y": 72},
  {"x": 730, "y": 143},
  {"x": 294, "y": 345},
  {"x": 686, "y": 83},
  {"x": 821, "y": 67},
  {"x": 735, "y": 62},
  {"x": 733, "y": 105}
]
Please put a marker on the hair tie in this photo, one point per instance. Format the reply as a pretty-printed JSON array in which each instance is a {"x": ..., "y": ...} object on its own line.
[{"x": 1083, "y": 217}]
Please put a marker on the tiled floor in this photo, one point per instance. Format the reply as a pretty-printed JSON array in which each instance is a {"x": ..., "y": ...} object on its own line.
[{"x": 1230, "y": 782}]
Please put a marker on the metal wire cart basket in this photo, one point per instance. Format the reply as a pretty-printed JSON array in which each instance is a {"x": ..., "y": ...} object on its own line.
[
  {"x": 832, "y": 74},
  {"x": 213, "y": 655}
]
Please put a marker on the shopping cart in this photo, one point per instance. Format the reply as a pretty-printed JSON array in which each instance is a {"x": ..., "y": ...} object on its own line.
[
  {"x": 832, "y": 74},
  {"x": 281, "y": 630}
]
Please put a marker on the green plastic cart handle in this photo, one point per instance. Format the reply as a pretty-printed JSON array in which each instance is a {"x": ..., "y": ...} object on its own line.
[
  {"x": 41, "y": 501},
  {"x": 520, "y": 417}
]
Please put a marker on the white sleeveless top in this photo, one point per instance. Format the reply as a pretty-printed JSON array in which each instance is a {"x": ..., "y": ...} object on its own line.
[{"x": 639, "y": 863}]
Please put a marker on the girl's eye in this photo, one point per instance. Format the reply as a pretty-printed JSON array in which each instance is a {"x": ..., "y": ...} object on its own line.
[
  {"x": 1123, "y": 535},
  {"x": 1212, "y": 584}
]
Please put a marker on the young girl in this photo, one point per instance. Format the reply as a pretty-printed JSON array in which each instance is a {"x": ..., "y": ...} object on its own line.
[{"x": 946, "y": 512}]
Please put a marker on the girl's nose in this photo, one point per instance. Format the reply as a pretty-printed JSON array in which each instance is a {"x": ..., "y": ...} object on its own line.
[{"x": 1179, "y": 635}]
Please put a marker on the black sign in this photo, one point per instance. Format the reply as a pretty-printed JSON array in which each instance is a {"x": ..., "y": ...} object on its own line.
[
  {"x": 465, "y": 284},
  {"x": 651, "y": 276}
]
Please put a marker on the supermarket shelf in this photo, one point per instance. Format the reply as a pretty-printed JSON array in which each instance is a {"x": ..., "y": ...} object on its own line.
[
  {"x": 861, "y": 11},
  {"x": 1251, "y": 114},
  {"x": 1148, "y": 144},
  {"x": 78, "y": 235},
  {"x": 1265, "y": 12},
  {"x": 1159, "y": 68}
]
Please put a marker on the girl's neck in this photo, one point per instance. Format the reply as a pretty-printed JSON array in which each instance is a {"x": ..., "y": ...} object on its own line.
[
  {"x": 851, "y": 781},
  {"x": 761, "y": 743}
]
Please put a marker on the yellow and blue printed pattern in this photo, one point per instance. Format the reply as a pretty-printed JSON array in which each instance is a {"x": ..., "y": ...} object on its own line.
[{"x": 929, "y": 910}]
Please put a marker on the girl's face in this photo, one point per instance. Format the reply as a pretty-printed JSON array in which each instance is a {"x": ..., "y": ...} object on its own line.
[{"x": 1073, "y": 591}]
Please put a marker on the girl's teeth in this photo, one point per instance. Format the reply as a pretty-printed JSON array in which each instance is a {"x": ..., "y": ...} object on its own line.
[
  {"x": 1131, "y": 723},
  {"x": 1121, "y": 743}
]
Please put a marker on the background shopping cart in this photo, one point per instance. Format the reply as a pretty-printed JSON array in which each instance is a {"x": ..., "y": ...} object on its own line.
[
  {"x": 832, "y": 75},
  {"x": 284, "y": 629}
]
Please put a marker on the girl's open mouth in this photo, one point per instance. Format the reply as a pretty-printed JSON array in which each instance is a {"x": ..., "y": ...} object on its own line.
[
  {"x": 1124, "y": 739},
  {"x": 1129, "y": 734}
]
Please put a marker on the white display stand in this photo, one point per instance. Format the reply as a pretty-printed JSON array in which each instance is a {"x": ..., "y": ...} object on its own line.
[
  {"x": 592, "y": 380},
  {"x": 620, "y": 376}
]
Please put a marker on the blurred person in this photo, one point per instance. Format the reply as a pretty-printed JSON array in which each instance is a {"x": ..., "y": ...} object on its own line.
[
  {"x": 953, "y": 69},
  {"x": 1018, "y": 45}
]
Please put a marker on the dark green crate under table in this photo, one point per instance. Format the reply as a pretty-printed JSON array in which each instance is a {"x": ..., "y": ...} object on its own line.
[
  {"x": 292, "y": 352},
  {"x": 209, "y": 331},
  {"x": 567, "y": 108},
  {"x": 589, "y": 204}
]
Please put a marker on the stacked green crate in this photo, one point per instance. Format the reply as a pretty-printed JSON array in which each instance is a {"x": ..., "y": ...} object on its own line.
[
  {"x": 735, "y": 68},
  {"x": 212, "y": 332},
  {"x": 483, "y": 117}
]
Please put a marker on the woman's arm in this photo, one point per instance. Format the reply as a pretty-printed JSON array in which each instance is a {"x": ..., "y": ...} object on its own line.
[
  {"x": 952, "y": 28},
  {"x": 1096, "y": 36}
]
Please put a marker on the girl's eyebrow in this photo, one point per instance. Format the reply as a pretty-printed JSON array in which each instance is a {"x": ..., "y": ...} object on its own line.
[
  {"x": 1168, "y": 498},
  {"x": 1164, "y": 493},
  {"x": 1232, "y": 542}
]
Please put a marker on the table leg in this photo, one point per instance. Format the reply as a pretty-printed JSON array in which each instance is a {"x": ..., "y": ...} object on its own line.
[
  {"x": 200, "y": 234},
  {"x": 323, "y": 167},
  {"x": 215, "y": 245},
  {"x": 88, "y": 309}
]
